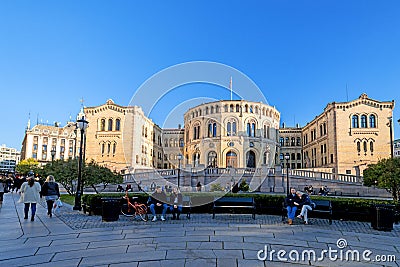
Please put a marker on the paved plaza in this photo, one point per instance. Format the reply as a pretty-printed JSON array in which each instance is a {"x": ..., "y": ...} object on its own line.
[{"x": 73, "y": 239}]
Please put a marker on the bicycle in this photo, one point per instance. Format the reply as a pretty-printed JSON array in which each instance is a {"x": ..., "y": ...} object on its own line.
[{"x": 136, "y": 209}]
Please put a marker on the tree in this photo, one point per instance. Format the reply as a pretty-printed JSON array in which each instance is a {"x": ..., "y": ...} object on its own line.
[
  {"x": 244, "y": 187},
  {"x": 26, "y": 165},
  {"x": 95, "y": 174},
  {"x": 385, "y": 174},
  {"x": 66, "y": 173}
]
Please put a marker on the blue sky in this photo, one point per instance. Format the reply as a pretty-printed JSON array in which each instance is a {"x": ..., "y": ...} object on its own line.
[{"x": 301, "y": 54}]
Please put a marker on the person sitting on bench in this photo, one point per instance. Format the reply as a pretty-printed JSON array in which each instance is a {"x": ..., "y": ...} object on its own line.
[
  {"x": 290, "y": 206},
  {"x": 158, "y": 200},
  {"x": 306, "y": 204},
  {"x": 176, "y": 203}
]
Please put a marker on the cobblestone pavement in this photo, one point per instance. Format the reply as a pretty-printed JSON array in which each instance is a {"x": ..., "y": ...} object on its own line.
[{"x": 74, "y": 239}]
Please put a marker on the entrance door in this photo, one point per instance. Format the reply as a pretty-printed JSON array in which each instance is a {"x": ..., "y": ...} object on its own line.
[{"x": 231, "y": 160}]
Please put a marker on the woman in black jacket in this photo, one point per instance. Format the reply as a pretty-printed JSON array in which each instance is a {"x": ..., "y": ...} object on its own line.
[{"x": 51, "y": 192}]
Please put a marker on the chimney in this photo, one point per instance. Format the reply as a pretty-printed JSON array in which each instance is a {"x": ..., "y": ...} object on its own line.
[{"x": 179, "y": 126}]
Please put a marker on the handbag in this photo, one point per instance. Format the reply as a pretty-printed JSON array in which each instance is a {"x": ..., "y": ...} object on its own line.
[{"x": 59, "y": 203}]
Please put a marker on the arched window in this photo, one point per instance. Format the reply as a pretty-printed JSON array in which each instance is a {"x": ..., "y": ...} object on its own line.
[
  {"x": 181, "y": 143},
  {"x": 231, "y": 128},
  {"x": 246, "y": 108},
  {"x": 287, "y": 141},
  {"x": 114, "y": 148},
  {"x": 212, "y": 159},
  {"x": 363, "y": 121},
  {"x": 206, "y": 110},
  {"x": 354, "y": 121},
  {"x": 231, "y": 108},
  {"x": 365, "y": 146},
  {"x": 281, "y": 141},
  {"x": 118, "y": 125},
  {"x": 225, "y": 108},
  {"x": 196, "y": 132},
  {"x": 212, "y": 110},
  {"x": 251, "y": 129},
  {"x": 102, "y": 148},
  {"x": 250, "y": 159},
  {"x": 237, "y": 108},
  {"x": 371, "y": 146},
  {"x": 251, "y": 109},
  {"x": 108, "y": 148},
  {"x": 292, "y": 141},
  {"x": 298, "y": 141},
  {"x": 265, "y": 131},
  {"x": 372, "y": 121},
  {"x": 103, "y": 125},
  {"x": 110, "y": 124},
  {"x": 293, "y": 156},
  {"x": 212, "y": 129}
]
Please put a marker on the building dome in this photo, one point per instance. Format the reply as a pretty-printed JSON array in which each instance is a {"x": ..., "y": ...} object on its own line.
[{"x": 231, "y": 133}]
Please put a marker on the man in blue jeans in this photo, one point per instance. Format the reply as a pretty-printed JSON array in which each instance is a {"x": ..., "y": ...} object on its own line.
[
  {"x": 290, "y": 206},
  {"x": 157, "y": 201}
]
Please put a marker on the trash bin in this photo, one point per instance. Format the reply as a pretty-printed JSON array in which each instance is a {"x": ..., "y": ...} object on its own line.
[
  {"x": 110, "y": 209},
  {"x": 382, "y": 217}
]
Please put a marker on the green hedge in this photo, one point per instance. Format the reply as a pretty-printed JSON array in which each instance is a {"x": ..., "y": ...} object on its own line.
[{"x": 357, "y": 209}]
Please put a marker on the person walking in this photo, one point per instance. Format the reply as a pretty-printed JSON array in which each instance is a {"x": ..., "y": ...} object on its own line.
[
  {"x": 3, "y": 187},
  {"x": 51, "y": 192},
  {"x": 30, "y": 195}
]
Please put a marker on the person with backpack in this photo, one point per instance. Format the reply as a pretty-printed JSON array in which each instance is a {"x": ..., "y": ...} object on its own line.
[{"x": 51, "y": 192}]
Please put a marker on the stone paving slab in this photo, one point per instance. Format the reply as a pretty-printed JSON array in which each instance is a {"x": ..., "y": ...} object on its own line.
[{"x": 73, "y": 239}]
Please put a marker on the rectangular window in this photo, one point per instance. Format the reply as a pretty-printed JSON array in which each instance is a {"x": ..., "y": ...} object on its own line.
[{"x": 348, "y": 171}]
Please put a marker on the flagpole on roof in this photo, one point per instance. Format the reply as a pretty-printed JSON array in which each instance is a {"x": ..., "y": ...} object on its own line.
[{"x": 230, "y": 87}]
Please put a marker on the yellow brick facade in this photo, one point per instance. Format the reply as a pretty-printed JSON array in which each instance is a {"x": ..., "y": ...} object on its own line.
[
  {"x": 122, "y": 138},
  {"x": 348, "y": 136}
]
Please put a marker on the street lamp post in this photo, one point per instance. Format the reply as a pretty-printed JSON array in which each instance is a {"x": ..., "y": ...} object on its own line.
[
  {"x": 53, "y": 153},
  {"x": 180, "y": 156},
  {"x": 391, "y": 136},
  {"x": 287, "y": 157},
  {"x": 82, "y": 125}
]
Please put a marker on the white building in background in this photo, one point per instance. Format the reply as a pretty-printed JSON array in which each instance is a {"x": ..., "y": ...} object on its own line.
[
  {"x": 396, "y": 150},
  {"x": 9, "y": 158},
  {"x": 41, "y": 140}
]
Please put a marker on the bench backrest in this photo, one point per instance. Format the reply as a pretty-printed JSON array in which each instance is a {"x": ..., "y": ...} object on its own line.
[
  {"x": 186, "y": 201},
  {"x": 323, "y": 204},
  {"x": 234, "y": 201}
]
